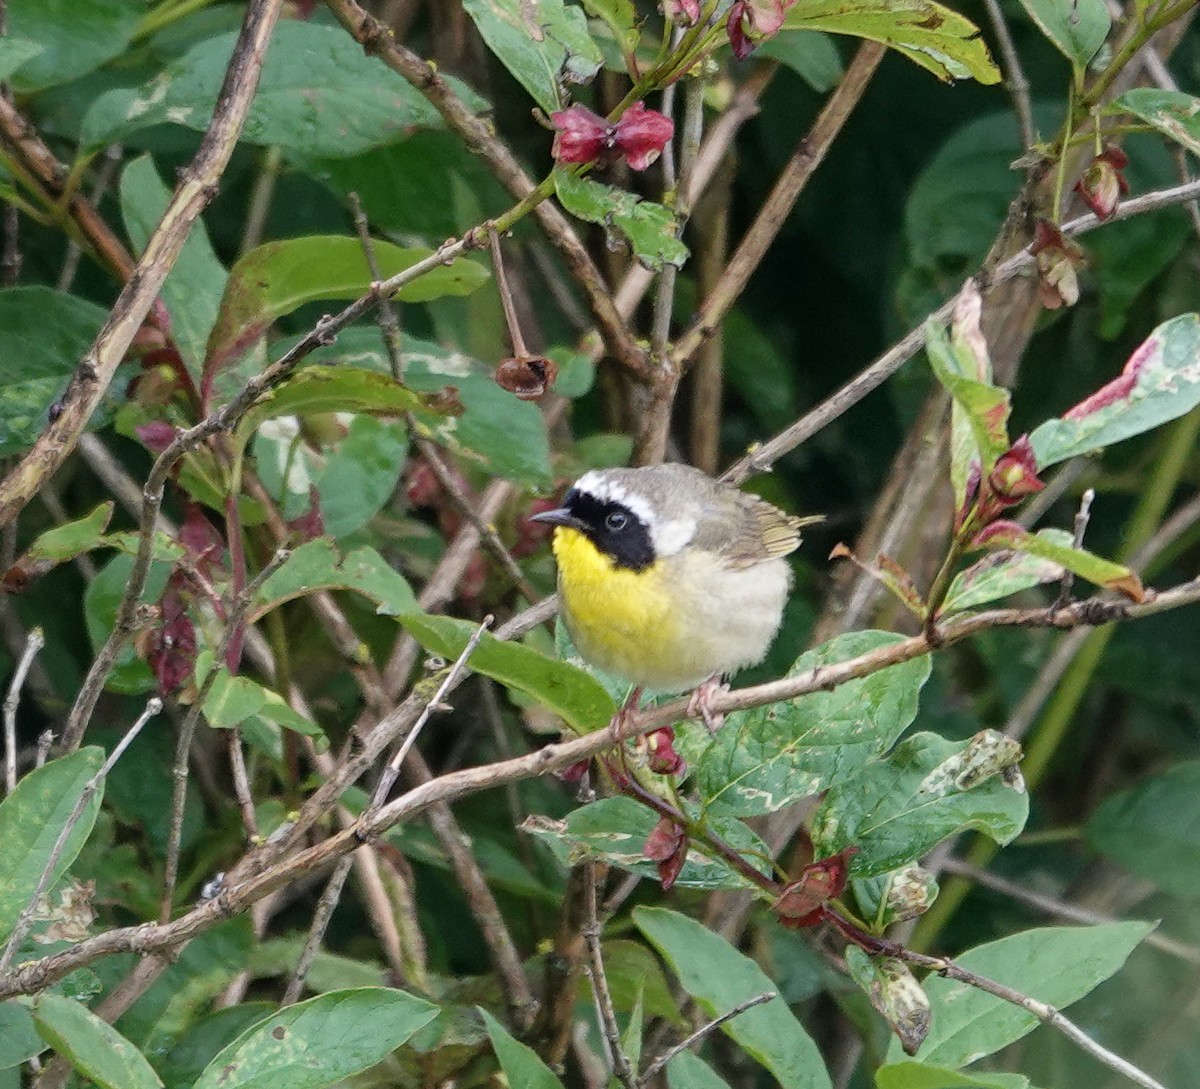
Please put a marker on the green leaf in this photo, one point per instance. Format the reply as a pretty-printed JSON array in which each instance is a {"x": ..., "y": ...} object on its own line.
[
  {"x": 91, "y": 1045},
  {"x": 520, "y": 1063},
  {"x": 769, "y": 757},
  {"x": 232, "y": 700},
  {"x": 933, "y": 36},
  {"x": 1173, "y": 113},
  {"x": 688, "y": 1071},
  {"x": 14, "y": 52},
  {"x": 316, "y": 1043},
  {"x": 621, "y": 17},
  {"x": 319, "y": 94},
  {"x": 58, "y": 545},
  {"x": 31, "y": 819},
  {"x": 183, "y": 1064},
  {"x": 541, "y": 43},
  {"x": 914, "y": 1075},
  {"x": 572, "y": 694},
  {"x": 508, "y": 435},
  {"x": 1076, "y": 28},
  {"x": 615, "y": 830},
  {"x": 928, "y": 788},
  {"x": 45, "y": 335},
  {"x": 1056, "y": 965},
  {"x": 811, "y": 55},
  {"x": 74, "y": 36},
  {"x": 320, "y": 388},
  {"x": 19, "y": 1039},
  {"x": 718, "y": 977},
  {"x": 1161, "y": 382},
  {"x": 361, "y": 474},
  {"x": 317, "y": 565},
  {"x": 1002, "y": 573},
  {"x": 651, "y": 230},
  {"x": 100, "y": 602},
  {"x": 278, "y": 277},
  {"x": 1088, "y": 565},
  {"x": 979, "y": 427},
  {"x": 1153, "y": 829},
  {"x": 193, "y": 288}
]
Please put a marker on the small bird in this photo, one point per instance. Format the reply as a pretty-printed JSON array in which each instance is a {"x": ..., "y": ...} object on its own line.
[{"x": 668, "y": 578}]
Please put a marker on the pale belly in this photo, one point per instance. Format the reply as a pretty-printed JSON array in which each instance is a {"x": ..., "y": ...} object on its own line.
[{"x": 629, "y": 624}]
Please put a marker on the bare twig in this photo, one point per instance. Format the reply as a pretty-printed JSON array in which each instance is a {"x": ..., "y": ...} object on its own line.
[
  {"x": 389, "y": 324},
  {"x": 34, "y": 642},
  {"x": 316, "y": 932},
  {"x": 196, "y": 188},
  {"x": 1053, "y": 905},
  {"x": 701, "y": 1033},
  {"x": 241, "y": 782},
  {"x": 478, "y": 135},
  {"x": 1081, "y": 523},
  {"x": 763, "y": 456},
  {"x": 607, "y": 1015},
  {"x": 234, "y": 617},
  {"x": 794, "y": 176},
  {"x": 1015, "y": 82},
  {"x": 392, "y": 772},
  {"x": 21, "y": 926},
  {"x": 104, "y": 178}
]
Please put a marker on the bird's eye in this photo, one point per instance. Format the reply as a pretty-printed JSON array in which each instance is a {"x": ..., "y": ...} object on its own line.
[{"x": 616, "y": 521}]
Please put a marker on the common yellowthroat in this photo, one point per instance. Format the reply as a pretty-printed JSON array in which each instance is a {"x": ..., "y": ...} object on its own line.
[{"x": 668, "y": 578}]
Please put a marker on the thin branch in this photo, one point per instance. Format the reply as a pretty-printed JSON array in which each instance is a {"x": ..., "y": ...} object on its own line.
[
  {"x": 104, "y": 178},
  {"x": 392, "y": 772},
  {"x": 1052, "y": 905},
  {"x": 34, "y": 642},
  {"x": 809, "y": 154},
  {"x": 763, "y": 456},
  {"x": 25, "y": 919},
  {"x": 702, "y": 1032},
  {"x": 1082, "y": 517},
  {"x": 1015, "y": 82},
  {"x": 389, "y": 324},
  {"x": 316, "y": 931},
  {"x": 479, "y": 136},
  {"x": 264, "y": 870},
  {"x": 607, "y": 1015},
  {"x": 196, "y": 188},
  {"x": 241, "y": 781},
  {"x": 187, "y": 729}
]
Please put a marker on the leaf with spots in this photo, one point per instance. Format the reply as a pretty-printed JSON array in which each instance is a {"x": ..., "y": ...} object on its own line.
[
  {"x": 615, "y": 830},
  {"x": 1161, "y": 382},
  {"x": 91, "y": 1045},
  {"x": 772, "y": 756},
  {"x": 316, "y": 1043},
  {"x": 895, "y": 810}
]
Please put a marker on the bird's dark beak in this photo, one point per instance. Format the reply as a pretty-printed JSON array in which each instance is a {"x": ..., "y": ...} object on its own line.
[{"x": 560, "y": 516}]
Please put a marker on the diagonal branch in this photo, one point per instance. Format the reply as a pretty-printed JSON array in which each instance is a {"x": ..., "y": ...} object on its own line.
[{"x": 197, "y": 186}]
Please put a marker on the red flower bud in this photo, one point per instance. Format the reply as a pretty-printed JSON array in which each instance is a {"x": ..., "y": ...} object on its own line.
[
  {"x": 802, "y": 903},
  {"x": 586, "y": 137},
  {"x": 667, "y": 845},
  {"x": 683, "y": 12},
  {"x": 156, "y": 435},
  {"x": 752, "y": 22},
  {"x": 660, "y": 746},
  {"x": 1058, "y": 261},
  {"x": 1014, "y": 475},
  {"x": 1103, "y": 184}
]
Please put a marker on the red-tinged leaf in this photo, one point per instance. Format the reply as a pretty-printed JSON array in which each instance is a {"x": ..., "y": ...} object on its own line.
[
  {"x": 201, "y": 538},
  {"x": 172, "y": 652},
  {"x": 887, "y": 571},
  {"x": 1102, "y": 572},
  {"x": 1159, "y": 383},
  {"x": 310, "y": 525}
]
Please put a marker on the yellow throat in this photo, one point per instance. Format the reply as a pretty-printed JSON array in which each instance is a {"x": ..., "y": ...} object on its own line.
[{"x": 620, "y": 620}]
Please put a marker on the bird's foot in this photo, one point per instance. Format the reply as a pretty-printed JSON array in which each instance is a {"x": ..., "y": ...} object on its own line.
[
  {"x": 700, "y": 703},
  {"x": 620, "y": 721}
]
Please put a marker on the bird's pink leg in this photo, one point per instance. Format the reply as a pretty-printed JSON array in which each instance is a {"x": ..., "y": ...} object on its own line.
[
  {"x": 626, "y": 711},
  {"x": 700, "y": 703}
]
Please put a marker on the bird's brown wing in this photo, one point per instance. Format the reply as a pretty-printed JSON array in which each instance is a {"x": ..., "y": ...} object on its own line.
[{"x": 765, "y": 532}]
